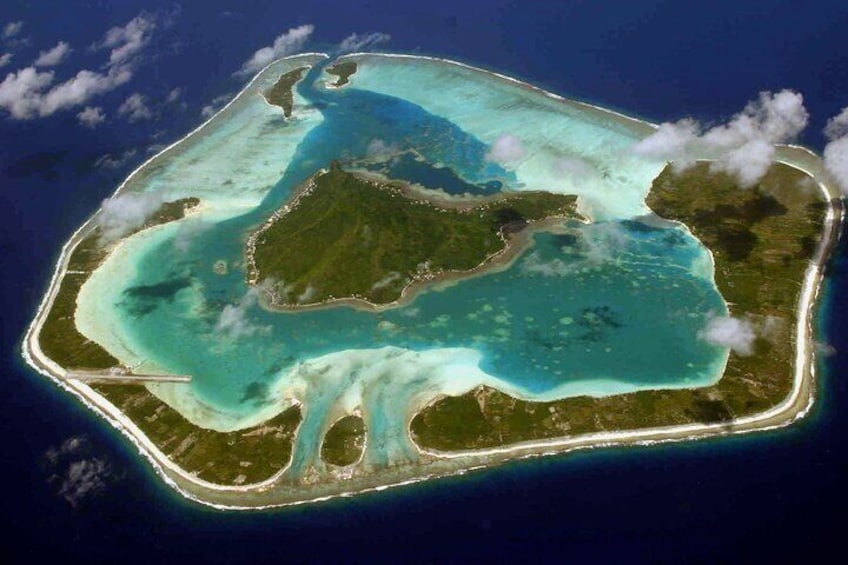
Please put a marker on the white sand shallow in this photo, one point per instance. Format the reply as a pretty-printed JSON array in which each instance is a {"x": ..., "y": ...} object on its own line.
[
  {"x": 228, "y": 176},
  {"x": 569, "y": 147}
]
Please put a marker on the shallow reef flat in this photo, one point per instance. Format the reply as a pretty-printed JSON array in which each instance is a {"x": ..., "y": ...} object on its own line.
[
  {"x": 543, "y": 351},
  {"x": 571, "y": 147},
  {"x": 231, "y": 162}
]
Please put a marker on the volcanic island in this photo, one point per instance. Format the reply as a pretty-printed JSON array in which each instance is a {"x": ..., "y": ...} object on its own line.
[{"x": 345, "y": 282}]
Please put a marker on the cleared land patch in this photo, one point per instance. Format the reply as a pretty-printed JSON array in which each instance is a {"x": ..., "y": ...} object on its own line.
[{"x": 226, "y": 458}]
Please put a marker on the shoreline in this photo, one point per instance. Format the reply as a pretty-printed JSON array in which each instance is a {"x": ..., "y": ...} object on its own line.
[
  {"x": 438, "y": 464},
  {"x": 514, "y": 246}
]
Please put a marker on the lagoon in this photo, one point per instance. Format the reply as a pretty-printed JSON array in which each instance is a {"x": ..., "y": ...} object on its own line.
[{"x": 609, "y": 307}]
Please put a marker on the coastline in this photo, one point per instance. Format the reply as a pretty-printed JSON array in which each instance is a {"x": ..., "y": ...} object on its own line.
[
  {"x": 514, "y": 246},
  {"x": 436, "y": 464}
]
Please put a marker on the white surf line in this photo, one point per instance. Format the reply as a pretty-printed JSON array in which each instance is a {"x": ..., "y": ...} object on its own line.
[
  {"x": 216, "y": 114},
  {"x": 639, "y": 437},
  {"x": 669, "y": 434},
  {"x": 804, "y": 362},
  {"x": 629, "y": 119},
  {"x": 35, "y": 357},
  {"x": 644, "y": 437}
]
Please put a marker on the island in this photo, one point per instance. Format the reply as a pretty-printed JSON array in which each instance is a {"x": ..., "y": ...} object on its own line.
[
  {"x": 281, "y": 93},
  {"x": 344, "y": 237},
  {"x": 342, "y": 70},
  {"x": 344, "y": 281}
]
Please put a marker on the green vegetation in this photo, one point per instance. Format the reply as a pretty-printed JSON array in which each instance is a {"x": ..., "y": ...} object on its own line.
[
  {"x": 242, "y": 457},
  {"x": 762, "y": 240},
  {"x": 281, "y": 93},
  {"x": 344, "y": 441},
  {"x": 348, "y": 237},
  {"x": 59, "y": 338},
  {"x": 343, "y": 71}
]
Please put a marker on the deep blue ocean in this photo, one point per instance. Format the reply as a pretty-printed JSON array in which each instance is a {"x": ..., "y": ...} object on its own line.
[{"x": 780, "y": 494}]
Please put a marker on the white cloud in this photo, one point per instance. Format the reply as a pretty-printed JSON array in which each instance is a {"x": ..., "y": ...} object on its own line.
[
  {"x": 12, "y": 29},
  {"x": 129, "y": 40},
  {"x": 70, "y": 446},
  {"x": 174, "y": 95},
  {"x": 307, "y": 294},
  {"x": 671, "y": 142},
  {"x": 109, "y": 161},
  {"x": 25, "y": 94},
  {"x": 233, "y": 321},
  {"x": 77, "y": 474},
  {"x": 217, "y": 103},
  {"x": 825, "y": 349},
  {"x": 749, "y": 163},
  {"x": 836, "y": 161},
  {"x": 187, "y": 231},
  {"x": 726, "y": 331},
  {"x": 743, "y": 147},
  {"x": 379, "y": 150},
  {"x": 84, "y": 478},
  {"x": 837, "y": 126},
  {"x": 358, "y": 42},
  {"x": 20, "y": 92},
  {"x": 284, "y": 45},
  {"x": 81, "y": 88},
  {"x": 595, "y": 245},
  {"x": 53, "y": 57},
  {"x": 506, "y": 149},
  {"x": 575, "y": 168},
  {"x": 386, "y": 281},
  {"x": 774, "y": 117},
  {"x": 836, "y": 152},
  {"x": 126, "y": 212},
  {"x": 5, "y": 58},
  {"x": 135, "y": 108},
  {"x": 91, "y": 117},
  {"x": 533, "y": 264}
]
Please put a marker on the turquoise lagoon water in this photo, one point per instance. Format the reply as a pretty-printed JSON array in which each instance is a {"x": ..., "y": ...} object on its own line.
[{"x": 611, "y": 306}]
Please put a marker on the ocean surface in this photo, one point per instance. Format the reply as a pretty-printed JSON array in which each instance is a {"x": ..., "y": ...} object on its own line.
[{"x": 77, "y": 488}]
